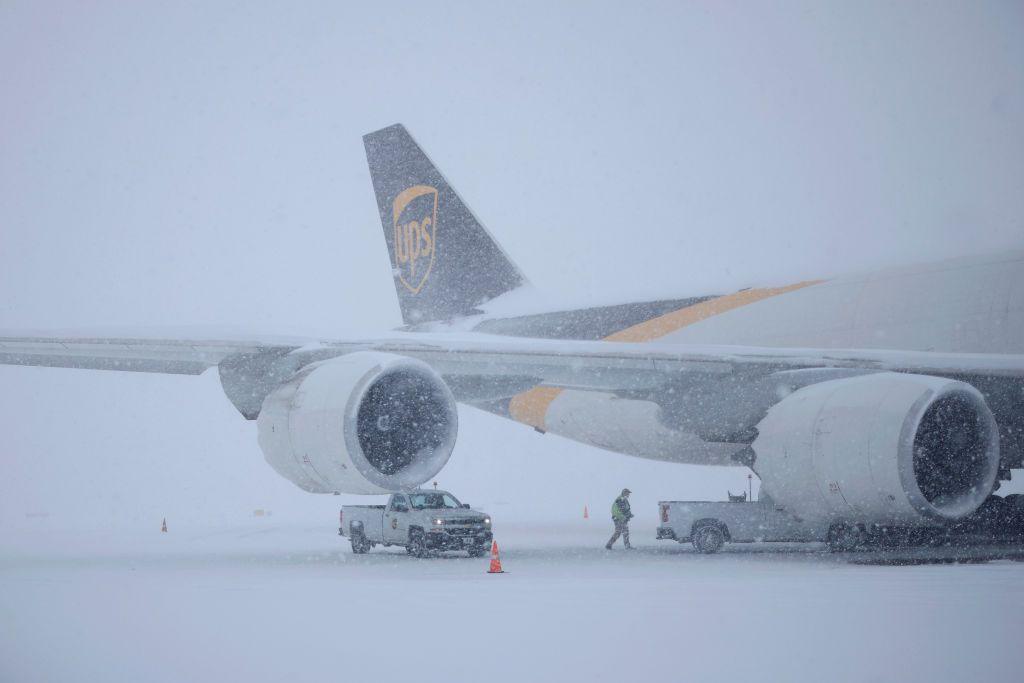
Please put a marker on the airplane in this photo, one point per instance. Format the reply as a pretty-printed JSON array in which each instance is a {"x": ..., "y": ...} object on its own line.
[{"x": 890, "y": 398}]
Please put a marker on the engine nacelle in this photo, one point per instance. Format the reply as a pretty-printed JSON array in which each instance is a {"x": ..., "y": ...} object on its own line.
[
  {"x": 884, "y": 448},
  {"x": 365, "y": 422}
]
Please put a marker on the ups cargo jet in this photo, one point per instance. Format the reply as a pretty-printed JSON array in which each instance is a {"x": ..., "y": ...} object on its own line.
[{"x": 891, "y": 398}]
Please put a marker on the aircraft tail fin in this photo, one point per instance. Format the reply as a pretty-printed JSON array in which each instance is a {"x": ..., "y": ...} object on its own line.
[{"x": 444, "y": 261}]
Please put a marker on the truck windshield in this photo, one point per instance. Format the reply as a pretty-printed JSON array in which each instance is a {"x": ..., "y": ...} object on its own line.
[{"x": 433, "y": 501}]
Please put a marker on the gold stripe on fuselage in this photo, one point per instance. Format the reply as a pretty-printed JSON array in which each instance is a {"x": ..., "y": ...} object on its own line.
[{"x": 531, "y": 407}]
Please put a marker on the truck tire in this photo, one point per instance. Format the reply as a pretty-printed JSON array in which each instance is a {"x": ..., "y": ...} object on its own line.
[
  {"x": 417, "y": 546},
  {"x": 480, "y": 550},
  {"x": 360, "y": 545},
  {"x": 844, "y": 537},
  {"x": 708, "y": 538}
]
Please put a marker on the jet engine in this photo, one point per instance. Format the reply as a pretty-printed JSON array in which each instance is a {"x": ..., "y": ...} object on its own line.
[
  {"x": 884, "y": 448},
  {"x": 365, "y": 422}
]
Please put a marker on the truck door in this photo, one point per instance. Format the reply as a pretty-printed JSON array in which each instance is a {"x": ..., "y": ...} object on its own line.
[
  {"x": 784, "y": 526},
  {"x": 396, "y": 519}
]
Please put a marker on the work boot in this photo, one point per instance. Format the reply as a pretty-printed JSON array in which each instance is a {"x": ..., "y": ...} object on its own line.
[{"x": 607, "y": 546}]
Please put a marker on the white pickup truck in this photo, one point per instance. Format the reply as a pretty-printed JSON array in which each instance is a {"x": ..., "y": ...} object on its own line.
[
  {"x": 710, "y": 525},
  {"x": 424, "y": 522},
  {"x": 1000, "y": 520}
]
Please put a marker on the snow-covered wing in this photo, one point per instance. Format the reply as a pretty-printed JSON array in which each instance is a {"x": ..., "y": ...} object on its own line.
[
  {"x": 170, "y": 356},
  {"x": 716, "y": 393},
  {"x": 605, "y": 366},
  {"x": 595, "y": 365}
]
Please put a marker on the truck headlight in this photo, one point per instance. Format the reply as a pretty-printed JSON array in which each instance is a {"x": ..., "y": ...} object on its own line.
[
  {"x": 487, "y": 521},
  {"x": 438, "y": 522}
]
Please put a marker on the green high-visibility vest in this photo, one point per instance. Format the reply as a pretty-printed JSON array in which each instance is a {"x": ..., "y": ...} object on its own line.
[{"x": 617, "y": 514}]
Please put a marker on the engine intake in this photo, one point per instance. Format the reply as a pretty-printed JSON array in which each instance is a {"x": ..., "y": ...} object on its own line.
[
  {"x": 885, "y": 448},
  {"x": 361, "y": 423}
]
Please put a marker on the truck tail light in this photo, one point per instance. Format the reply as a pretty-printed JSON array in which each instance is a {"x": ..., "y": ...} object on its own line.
[{"x": 664, "y": 513}]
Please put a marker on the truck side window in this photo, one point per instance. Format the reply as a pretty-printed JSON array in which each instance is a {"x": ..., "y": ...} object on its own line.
[{"x": 398, "y": 504}]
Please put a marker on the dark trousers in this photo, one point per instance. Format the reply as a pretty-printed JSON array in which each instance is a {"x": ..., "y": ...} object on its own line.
[{"x": 621, "y": 529}]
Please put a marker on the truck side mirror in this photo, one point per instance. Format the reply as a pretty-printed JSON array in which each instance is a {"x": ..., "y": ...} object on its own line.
[{"x": 465, "y": 505}]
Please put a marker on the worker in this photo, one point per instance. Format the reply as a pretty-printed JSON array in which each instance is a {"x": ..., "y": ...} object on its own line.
[{"x": 621, "y": 516}]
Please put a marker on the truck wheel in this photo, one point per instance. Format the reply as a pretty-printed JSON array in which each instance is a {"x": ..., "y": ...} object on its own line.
[
  {"x": 708, "y": 538},
  {"x": 844, "y": 538},
  {"x": 417, "y": 544},
  {"x": 359, "y": 543}
]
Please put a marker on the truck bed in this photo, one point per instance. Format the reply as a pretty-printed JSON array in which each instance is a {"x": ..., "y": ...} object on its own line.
[{"x": 370, "y": 517}]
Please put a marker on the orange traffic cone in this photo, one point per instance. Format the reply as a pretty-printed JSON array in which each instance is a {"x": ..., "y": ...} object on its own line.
[
  {"x": 586, "y": 513},
  {"x": 495, "y": 560},
  {"x": 163, "y": 527}
]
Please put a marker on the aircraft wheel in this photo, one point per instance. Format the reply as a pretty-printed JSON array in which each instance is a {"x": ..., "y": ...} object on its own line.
[{"x": 1015, "y": 512}]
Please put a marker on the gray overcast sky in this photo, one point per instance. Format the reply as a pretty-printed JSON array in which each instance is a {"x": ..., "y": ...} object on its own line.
[
  {"x": 201, "y": 163},
  {"x": 171, "y": 164}
]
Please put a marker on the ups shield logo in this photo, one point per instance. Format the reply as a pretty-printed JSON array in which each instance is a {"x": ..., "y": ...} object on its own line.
[{"x": 415, "y": 226}]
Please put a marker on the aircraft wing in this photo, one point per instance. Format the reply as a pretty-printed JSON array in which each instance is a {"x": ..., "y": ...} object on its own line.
[
  {"x": 584, "y": 365},
  {"x": 169, "y": 356},
  {"x": 613, "y": 365},
  {"x": 718, "y": 393}
]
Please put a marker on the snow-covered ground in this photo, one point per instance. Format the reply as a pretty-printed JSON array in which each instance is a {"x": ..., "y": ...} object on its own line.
[
  {"x": 190, "y": 163},
  {"x": 266, "y": 601},
  {"x": 91, "y": 590}
]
